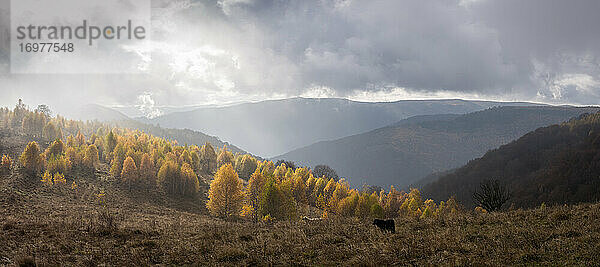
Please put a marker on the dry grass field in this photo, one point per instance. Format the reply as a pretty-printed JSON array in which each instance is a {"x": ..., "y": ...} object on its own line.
[
  {"x": 61, "y": 226},
  {"x": 102, "y": 223}
]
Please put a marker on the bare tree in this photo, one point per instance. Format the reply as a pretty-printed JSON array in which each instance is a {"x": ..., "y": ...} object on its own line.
[
  {"x": 324, "y": 170},
  {"x": 492, "y": 196}
]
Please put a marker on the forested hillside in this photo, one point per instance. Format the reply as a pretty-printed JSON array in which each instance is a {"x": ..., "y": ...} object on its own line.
[
  {"x": 60, "y": 150},
  {"x": 183, "y": 136},
  {"x": 553, "y": 165},
  {"x": 271, "y": 128},
  {"x": 401, "y": 154}
]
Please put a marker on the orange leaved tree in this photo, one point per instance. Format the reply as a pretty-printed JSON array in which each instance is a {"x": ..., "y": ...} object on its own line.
[{"x": 225, "y": 193}]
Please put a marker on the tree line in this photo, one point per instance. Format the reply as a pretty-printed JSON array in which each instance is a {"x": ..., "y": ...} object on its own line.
[{"x": 241, "y": 185}]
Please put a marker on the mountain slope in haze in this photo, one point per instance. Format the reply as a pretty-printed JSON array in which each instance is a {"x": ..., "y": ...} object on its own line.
[
  {"x": 553, "y": 165},
  {"x": 404, "y": 152},
  {"x": 271, "y": 128},
  {"x": 91, "y": 112}
]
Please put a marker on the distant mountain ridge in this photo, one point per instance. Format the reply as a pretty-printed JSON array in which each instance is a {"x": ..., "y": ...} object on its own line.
[
  {"x": 406, "y": 151},
  {"x": 274, "y": 127},
  {"x": 558, "y": 164}
]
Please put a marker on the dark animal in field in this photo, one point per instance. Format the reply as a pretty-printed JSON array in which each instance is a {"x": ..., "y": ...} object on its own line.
[{"x": 385, "y": 225}]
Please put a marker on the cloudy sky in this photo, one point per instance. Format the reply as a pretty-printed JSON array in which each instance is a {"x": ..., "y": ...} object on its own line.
[{"x": 225, "y": 51}]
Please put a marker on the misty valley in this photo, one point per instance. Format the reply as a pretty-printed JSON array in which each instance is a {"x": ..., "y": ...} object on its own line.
[{"x": 299, "y": 133}]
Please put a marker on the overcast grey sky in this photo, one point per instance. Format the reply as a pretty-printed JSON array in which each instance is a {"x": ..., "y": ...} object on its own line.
[{"x": 216, "y": 52}]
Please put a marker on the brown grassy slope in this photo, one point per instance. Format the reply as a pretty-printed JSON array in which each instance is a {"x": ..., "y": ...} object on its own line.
[{"x": 59, "y": 226}]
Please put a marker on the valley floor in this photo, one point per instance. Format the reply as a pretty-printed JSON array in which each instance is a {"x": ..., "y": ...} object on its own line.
[{"x": 62, "y": 226}]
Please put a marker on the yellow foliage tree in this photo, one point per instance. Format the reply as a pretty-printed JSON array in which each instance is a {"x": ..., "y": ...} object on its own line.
[
  {"x": 318, "y": 189},
  {"x": 368, "y": 206},
  {"x": 116, "y": 165},
  {"x": 329, "y": 188},
  {"x": 254, "y": 193},
  {"x": 347, "y": 206},
  {"x": 225, "y": 157},
  {"x": 279, "y": 172},
  {"x": 225, "y": 194},
  {"x": 340, "y": 192},
  {"x": 31, "y": 159},
  {"x": 189, "y": 180},
  {"x": 57, "y": 148},
  {"x": 310, "y": 188},
  {"x": 185, "y": 157},
  {"x": 110, "y": 143},
  {"x": 79, "y": 139},
  {"x": 57, "y": 163},
  {"x": 73, "y": 156},
  {"x": 168, "y": 177},
  {"x": 267, "y": 169},
  {"x": 147, "y": 172},
  {"x": 91, "y": 158},
  {"x": 277, "y": 201},
  {"x": 129, "y": 173},
  {"x": 208, "y": 158},
  {"x": 248, "y": 165},
  {"x": 299, "y": 187}
]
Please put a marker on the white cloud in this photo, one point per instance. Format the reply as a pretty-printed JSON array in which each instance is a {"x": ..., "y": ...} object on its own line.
[
  {"x": 147, "y": 106},
  {"x": 399, "y": 93},
  {"x": 319, "y": 92}
]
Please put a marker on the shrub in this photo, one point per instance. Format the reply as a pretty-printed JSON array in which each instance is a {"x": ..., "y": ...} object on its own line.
[
  {"x": 47, "y": 179},
  {"x": 59, "y": 179},
  {"x": 492, "y": 195},
  {"x": 6, "y": 163},
  {"x": 479, "y": 209}
]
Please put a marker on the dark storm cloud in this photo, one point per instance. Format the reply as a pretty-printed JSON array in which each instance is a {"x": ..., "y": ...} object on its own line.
[
  {"x": 240, "y": 50},
  {"x": 487, "y": 47}
]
